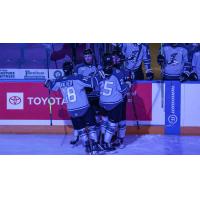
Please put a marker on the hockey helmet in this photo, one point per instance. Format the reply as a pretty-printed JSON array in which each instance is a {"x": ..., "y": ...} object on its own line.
[
  {"x": 107, "y": 60},
  {"x": 67, "y": 68},
  {"x": 107, "y": 64}
]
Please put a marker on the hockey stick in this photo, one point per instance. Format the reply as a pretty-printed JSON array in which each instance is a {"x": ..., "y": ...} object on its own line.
[
  {"x": 63, "y": 140},
  {"x": 162, "y": 79},
  {"x": 134, "y": 108},
  {"x": 132, "y": 96},
  {"x": 65, "y": 134},
  {"x": 74, "y": 47},
  {"x": 49, "y": 92},
  {"x": 55, "y": 60}
]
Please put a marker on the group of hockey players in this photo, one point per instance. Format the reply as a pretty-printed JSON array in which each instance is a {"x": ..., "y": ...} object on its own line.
[{"x": 96, "y": 96}]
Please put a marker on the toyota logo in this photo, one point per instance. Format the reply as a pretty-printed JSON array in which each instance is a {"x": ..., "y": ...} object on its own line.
[{"x": 15, "y": 100}]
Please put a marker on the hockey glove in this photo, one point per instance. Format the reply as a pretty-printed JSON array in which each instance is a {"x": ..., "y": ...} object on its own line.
[
  {"x": 193, "y": 76},
  {"x": 184, "y": 77},
  {"x": 161, "y": 60},
  {"x": 48, "y": 84},
  {"x": 132, "y": 75},
  {"x": 150, "y": 75}
]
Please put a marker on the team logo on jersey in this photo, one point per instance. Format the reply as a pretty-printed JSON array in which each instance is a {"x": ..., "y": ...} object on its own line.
[
  {"x": 134, "y": 56},
  {"x": 15, "y": 100},
  {"x": 173, "y": 59}
]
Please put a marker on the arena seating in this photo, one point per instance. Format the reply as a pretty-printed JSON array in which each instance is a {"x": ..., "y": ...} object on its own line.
[{"x": 37, "y": 55}]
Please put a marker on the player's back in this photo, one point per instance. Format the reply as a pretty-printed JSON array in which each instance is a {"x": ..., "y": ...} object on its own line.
[
  {"x": 112, "y": 89},
  {"x": 72, "y": 89}
]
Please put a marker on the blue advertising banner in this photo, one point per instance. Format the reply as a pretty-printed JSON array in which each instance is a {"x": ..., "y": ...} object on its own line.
[{"x": 172, "y": 107}]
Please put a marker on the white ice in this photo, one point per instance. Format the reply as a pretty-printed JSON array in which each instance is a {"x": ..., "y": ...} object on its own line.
[{"x": 38, "y": 144}]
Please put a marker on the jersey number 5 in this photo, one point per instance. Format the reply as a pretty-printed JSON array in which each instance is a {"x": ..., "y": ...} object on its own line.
[
  {"x": 71, "y": 95},
  {"x": 107, "y": 90}
]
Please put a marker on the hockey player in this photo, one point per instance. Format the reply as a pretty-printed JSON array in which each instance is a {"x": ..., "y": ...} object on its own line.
[
  {"x": 135, "y": 54},
  {"x": 118, "y": 59},
  {"x": 88, "y": 69},
  {"x": 192, "y": 48},
  {"x": 173, "y": 59},
  {"x": 112, "y": 90},
  {"x": 195, "y": 73},
  {"x": 73, "y": 90}
]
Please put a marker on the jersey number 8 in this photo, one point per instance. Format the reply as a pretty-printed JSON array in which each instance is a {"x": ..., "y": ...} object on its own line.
[{"x": 71, "y": 95}]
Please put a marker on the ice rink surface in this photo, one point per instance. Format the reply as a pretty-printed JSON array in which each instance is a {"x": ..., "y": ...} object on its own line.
[{"x": 18, "y": 144}]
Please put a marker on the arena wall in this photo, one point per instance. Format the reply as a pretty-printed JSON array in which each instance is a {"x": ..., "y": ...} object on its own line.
[{"x": 24, "y": 108}]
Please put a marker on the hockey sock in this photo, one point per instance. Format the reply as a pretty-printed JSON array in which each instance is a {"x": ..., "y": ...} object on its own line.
[
  {"x": 104, "y": 124},
  {"x": 92, "y": 133},
  {"x": 122, "y": 129},
  {"x": 83, "y": 136},
  {"x": 110, "y": 131}
]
